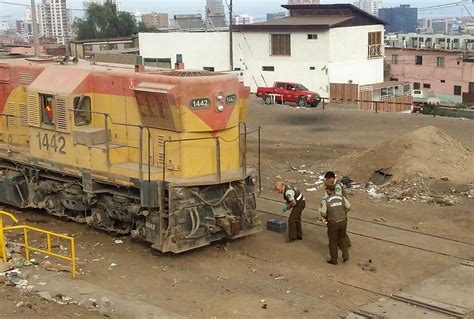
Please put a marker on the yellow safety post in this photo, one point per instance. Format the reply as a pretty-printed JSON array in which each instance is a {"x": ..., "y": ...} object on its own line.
[
  {"x": 26, "y": 229},
  {"x": 3, "y": 249}
]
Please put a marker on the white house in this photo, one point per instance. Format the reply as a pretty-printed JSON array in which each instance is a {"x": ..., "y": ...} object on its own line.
[{"x": 315, "y": 45}]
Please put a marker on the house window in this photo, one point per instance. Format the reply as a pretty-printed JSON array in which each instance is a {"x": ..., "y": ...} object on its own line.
[
  {"x": 268, "y": 68},
  {"x": 82, "y": 110},
  {"x": 426, "y": 86},
  {"x": 457, "y": 90},
  {"x": 443, "y": 81},
  {"x": 312, "y": 68},
  {"x": 281, "y": 44},
  {"x": 440, "y": 61},
  {"x": 47, "y": 109},
  {"x": 416, "y": 86},
  {"x": 394, "y": 58},
  {"x": 375, "y": 45},
  {"x": 208, "y": 68},
  {"x": 312, "y": 36},
  {"x": 419, "y": 60}
]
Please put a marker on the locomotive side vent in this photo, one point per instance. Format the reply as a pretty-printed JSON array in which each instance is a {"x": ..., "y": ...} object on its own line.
[
  {"x": 23, "y": 115},
  {"x": 25, "y": 78},
  {"x": 12, "y": 120},
  {"x": 160, "y": 141},
  {"x": 61, "y": 113},
  {"x": 33, "y": 109}
]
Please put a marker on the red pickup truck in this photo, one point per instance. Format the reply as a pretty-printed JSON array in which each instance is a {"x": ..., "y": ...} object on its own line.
[{"x": 282, "y": 92}]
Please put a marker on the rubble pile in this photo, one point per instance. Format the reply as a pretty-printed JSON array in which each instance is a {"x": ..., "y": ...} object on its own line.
[
  {"x": 412, "y": 165},
  {"x": 427, "y": 151}
]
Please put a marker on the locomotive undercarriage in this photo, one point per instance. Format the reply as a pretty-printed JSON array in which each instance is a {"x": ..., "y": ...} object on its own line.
[{"x": 183, "y": 218}]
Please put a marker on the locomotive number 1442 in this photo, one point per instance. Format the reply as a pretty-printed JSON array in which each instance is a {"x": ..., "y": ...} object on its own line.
[{"x": 51, "y": 142}]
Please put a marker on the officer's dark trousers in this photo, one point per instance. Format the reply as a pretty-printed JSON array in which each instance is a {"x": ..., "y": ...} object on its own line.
[
  {"x": 294, "y": 221},
  {"x": 338, "y": 238}
]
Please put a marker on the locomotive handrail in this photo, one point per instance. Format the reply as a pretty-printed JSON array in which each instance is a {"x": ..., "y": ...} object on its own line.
[{"x": 218, "y": 156}]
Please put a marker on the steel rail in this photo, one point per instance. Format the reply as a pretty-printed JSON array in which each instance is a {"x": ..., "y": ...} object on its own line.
[
  {"x": 371, "y": 237},
  {"x": 389, "y": 226}
]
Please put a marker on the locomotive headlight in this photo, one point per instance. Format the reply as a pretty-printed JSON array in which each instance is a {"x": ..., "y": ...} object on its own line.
[
  {"x": 220, "y": 107},
  {"x": 220, "y": 96}
]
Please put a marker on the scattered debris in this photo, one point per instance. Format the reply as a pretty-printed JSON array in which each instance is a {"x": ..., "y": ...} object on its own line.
[
  {"x": 118, "y": 241},
  {"x": 380, "y": 176},
  {"x": 367, "y": 266},
  {"x": 55, "y": 267}
]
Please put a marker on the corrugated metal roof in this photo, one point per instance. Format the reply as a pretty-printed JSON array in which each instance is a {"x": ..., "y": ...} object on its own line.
[
  {"x": 189, "y": 21},
  {"x": 217, "y": 21}
]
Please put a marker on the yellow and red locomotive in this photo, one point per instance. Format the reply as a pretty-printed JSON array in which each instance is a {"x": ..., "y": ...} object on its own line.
[{"x": 157, "y": 154}]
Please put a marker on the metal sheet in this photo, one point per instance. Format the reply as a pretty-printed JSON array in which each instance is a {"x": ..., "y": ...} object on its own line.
[
  {"x": 454, "y": 286},
  {"x": 430, "y": 304},
  {"x": 392, "y": 309}
]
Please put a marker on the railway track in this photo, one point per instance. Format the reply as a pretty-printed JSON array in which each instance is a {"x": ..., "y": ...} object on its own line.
[{"x": 391, "y": 234}]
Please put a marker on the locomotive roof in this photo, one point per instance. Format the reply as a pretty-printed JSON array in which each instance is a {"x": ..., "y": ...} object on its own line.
[
  {"x": 111, "y": 67},
  {"x": 64, "y": 79}
]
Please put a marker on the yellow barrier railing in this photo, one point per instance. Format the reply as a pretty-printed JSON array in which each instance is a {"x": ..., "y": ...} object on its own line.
[
  {"x": 49, "y": 236},
  {"x": 3, "y": 250}
]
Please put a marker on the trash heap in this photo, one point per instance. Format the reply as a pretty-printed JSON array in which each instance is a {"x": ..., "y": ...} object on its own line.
[{"x": 425, "y": 165}]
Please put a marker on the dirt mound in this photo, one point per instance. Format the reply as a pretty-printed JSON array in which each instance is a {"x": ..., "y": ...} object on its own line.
[{"x": 426, "y": 152}]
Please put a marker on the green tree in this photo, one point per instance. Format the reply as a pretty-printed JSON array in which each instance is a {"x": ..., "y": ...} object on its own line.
[
  {"x": 143, "y": 28},
  {"x": 103, "y": 21}
]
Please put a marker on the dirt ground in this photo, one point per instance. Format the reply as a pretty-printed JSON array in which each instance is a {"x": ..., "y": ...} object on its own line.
[{"x": 262, "y": 276}]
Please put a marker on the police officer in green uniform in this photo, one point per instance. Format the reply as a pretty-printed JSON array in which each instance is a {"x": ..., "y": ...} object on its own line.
[
  {"x": 296, "y": 202},
  {"x": 334, "y": 209},
  {"x": 330, "y": 179}
]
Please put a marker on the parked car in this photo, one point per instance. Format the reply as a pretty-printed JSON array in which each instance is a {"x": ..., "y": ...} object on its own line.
[
  {"x": 421, "y": 97},
  {"x": 416, "y": 108},
  {"x": 284, "y": 92}
]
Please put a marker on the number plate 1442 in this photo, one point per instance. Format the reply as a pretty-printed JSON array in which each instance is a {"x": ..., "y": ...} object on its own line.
[{"x": 51, "y": 142}]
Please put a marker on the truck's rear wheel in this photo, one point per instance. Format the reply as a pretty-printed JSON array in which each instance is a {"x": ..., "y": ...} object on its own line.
[{"x": 268, "y": 99}]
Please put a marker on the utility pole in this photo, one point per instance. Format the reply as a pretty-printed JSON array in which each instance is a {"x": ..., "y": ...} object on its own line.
[
  {"x": 231, "y": 36},
  {"x": 35, "y": 28}
]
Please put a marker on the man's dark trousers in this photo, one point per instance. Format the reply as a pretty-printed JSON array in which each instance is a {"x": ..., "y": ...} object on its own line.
[
  {"x": 338, "y": 238},
  {"x": 294, "y": 221}
]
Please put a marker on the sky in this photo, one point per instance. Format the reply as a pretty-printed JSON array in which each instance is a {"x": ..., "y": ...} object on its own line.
[{"x": 256, "y": 8}]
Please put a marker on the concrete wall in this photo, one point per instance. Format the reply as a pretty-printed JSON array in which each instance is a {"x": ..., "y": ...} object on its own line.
[
  {"x": 199, "y": 49},
  {"x": 115, "y": 58},
  {"x": 348, "y": 53},
  {"x": 441, "y": 79},
  {"x": 252, "y": 52},
  {"x": 337, "y": 55}
]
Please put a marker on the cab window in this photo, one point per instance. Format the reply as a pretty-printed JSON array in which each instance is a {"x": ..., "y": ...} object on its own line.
[
  {"x": 82, "y": 110},
  {"x": 47, "y": 113}
]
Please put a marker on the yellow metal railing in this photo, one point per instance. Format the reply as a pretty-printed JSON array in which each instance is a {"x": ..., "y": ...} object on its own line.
[
  {"x": 49, "y": 235},
  {"x": 3, "y": 250}
]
